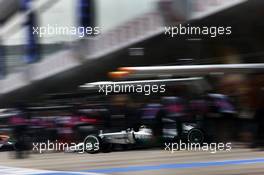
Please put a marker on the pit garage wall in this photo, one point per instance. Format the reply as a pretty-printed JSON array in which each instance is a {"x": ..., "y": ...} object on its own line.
[{"x": 111, "y": 13}]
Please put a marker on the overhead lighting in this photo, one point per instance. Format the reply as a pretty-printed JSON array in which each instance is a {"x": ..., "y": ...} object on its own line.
[{"x": 118, "y": 74}]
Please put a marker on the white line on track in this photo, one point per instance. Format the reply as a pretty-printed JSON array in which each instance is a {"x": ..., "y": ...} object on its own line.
[{"x": 26, "y": 171}]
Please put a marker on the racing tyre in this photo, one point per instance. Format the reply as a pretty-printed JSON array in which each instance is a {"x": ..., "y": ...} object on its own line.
[
  {"x": 92, "y": 144},
  {"x": 106, "y": 147},
  {"x": 195, "y": 136}
]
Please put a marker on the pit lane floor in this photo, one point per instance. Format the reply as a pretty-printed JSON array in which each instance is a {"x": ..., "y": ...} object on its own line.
[{"x": 140, "y": 162}]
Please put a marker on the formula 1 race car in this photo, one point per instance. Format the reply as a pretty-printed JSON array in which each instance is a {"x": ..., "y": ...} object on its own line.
[{"x": 103, "y": 142}]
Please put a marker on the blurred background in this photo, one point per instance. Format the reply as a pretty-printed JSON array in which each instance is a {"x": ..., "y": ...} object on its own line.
[{"x": 219, "y": 82}]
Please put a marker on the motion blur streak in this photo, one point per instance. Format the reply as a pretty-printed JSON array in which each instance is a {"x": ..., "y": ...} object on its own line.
[{"x": 179, "y": 74}]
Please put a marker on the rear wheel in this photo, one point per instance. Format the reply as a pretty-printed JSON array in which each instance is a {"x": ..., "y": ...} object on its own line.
[
  {"x": 195, "y": 136},
  {"x": 106, "y": 147}
]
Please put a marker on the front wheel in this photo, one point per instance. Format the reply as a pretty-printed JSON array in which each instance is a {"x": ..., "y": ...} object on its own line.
[{"x": 92, "y": 144}]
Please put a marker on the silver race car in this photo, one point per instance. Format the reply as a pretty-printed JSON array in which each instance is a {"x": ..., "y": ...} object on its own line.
[{"x": 103, "y": 142}]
